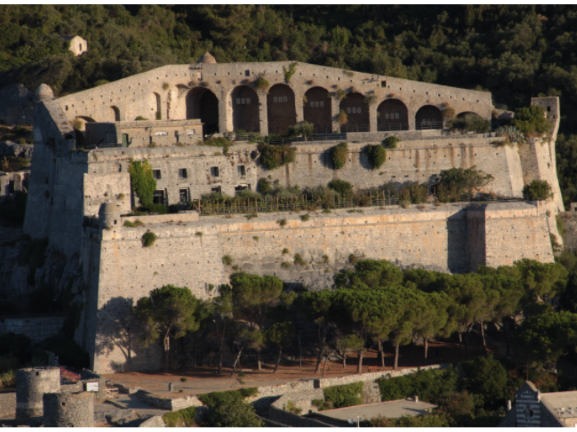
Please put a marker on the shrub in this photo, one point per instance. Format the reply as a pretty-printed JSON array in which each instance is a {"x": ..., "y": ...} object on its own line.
[
  {"x": 8, "y": 380},
  {"x": 305, "y": 217},
  {"x": 291, "y": 407},
  {"x": 275, "y": 156},
  {"x": 148, "y": 239},
  {"x": 325, "y": 259},
  {"x": 227, "y": 260},
  {"x": 377, "y": 155},
  {"x": 342, "y": 118},
  {"x": 183, "y": 418},
  {"x": 342, "y": 187},
  {"x": 430, "y": 385},
  {"x": 263, "y": 186},
  {"x": 339, "y": 155},
  {"x": 288, "y": 74},
  {"x": 282, "y": 223},
  {"x": 345, "y": 395},
  {"x": 449, "y": 112},
  {"x": 391, "y": 142},
  {"x": 218, "y": 142},
  {"x": 138, "y": 223},
  {"x": 211, "y": 399},
  {"x": 154, "y": 208},
  {"x": 455, "y": 182},
  {"x": 261, "y": 83},
  {"x": 140, "y": 118},
  {"x": 235, "y": 413},
  {"x": 251, "y": 216},
  {"x": 537, "y": 190},
  {"x": 129, "y": 224},
  {"x": 298, "y": 260},
  {"x": 286, "y": 265},
  {"x": 470, "y": 122},
  {"x": 183, "y": 379},
  {"x": 142, "y": 181},
  {"x": 285, "y": 251},
  {"x": 322, "y": 405},
  {"x": 531, "y": 120}
]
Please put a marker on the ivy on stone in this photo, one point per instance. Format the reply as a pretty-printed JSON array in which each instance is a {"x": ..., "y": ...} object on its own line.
[
  {"x": 377, "y": 155},
  {"x": 142, "y": 181}
]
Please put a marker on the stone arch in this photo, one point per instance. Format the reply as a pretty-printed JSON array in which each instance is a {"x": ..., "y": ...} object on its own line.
[
  {"x": 114, "y": 114},
  {"x": 245, "y": 109},
  {"x": 201, "y": 103},
  {"x": 357, "y": 111},
  {"x": 317, "y": 109},
  {"x": 281, "y": 112},
  {"x": 429, "y": 117},
  {"x": 392, "y": 114},
  {"x": 464, "y": 113}
]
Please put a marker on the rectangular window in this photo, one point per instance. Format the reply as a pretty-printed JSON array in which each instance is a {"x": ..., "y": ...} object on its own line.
[
  {"x": 241, "y": 170},
  {"x": 182, "y": 173},
  {"x": 247, "y": 72},
  {"x": 216, "y": 189},
  {"x": 184, "y": 195},
  {"x": 161, "y": 133},
  {"x": 156, "y": 174},
  {"x": 158, "y": 197},
  {"x": 214, "y": 171},
  {"x": 383, "y": 84}
]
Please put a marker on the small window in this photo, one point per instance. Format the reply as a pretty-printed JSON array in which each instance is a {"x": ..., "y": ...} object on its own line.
[
  {"x": 247, "y": 100},
  {"x": 238, "y": 101},
  {"x": 156, "y": 174},
  {"x": 214, "y": 171},
  {"x": 312, "y": 104},
  {"x": 158, "y": 197},
  {"x": 354, "y": 110},
  {"x": 80, "y": 47},
  {"x": 241, "y": 170},
  {"x": 548, "y": 108},
  {"x": 285, "y": 99},
  {"x": 275, "y": 99},
  {"x": 184, "y": 195},
  {"x": 247, "y": 73},
  {"x": 216, "y": 189},
  {"x": 161, "y": 133},
  {"x": 383, "y": 84},
  {"x": 358, "y": 110},
  {"x": 190, "y": 132},
  {"x": 322, "y": 104},
  {"x": 182, "y": 173},
  {"x": 348, "y": 110}
]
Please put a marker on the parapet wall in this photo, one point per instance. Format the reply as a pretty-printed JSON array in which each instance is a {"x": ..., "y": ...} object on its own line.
[{"x": 190, "y": 253}]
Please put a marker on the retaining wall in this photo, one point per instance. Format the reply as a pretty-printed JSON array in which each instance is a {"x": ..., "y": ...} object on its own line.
[{"x": 8, "y": 405}]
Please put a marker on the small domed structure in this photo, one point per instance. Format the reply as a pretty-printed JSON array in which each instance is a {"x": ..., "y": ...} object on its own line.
[
  {"x": 207, "y": 58},
  {"x": 43, "y": 93},
  {"x": 109, "y": 215}
]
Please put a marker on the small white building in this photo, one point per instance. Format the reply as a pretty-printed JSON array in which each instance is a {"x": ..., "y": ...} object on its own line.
[{"x": 78, "y": 45}]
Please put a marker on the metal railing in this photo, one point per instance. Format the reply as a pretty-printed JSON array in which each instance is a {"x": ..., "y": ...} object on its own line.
[
  {"x": 356, "y": 128},
  {"x": 431, "y": 125},
  {"x": 386, "y": 127}
]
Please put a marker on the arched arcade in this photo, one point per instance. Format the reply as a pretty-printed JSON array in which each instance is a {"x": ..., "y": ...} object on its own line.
[
  {"x": 201, "y": 103},
  {"x": 429, "y": 117},
  {"x": 245, "y": 109},
  {"x": 357, "y": 111},
  {"x": 281, "y": 112},
  {"x": 317, "y": 109},
  {"x": 392, "y": 115}
]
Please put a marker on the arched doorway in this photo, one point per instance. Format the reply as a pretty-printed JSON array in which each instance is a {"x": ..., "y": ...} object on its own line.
[
  {"x": 392, "y": 115},
  {"x": 357, "y": 111},
  {"x": 317, "y": 109},
  {"x": 281, "y": 112},
  {"x": 114, "y": 114},
  {"x": 429, "y": 117},
  {"x": 202, "y": 104},
  {"x": 245, "y": 109},
  {"x": 79, "y": 126}
]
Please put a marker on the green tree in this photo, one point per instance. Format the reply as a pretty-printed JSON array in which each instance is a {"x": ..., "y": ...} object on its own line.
[
  {"x": 281, "y": 335},
  {"x": 487, "y": 379},
  {"x": 537, "y": 190},
  {"x": 348, "y": 343},
  {"x": 457, "y": 181},
  {"x": 531, "y": 120},
  {"x": 303, "y": 128},
  {"x": 168, "y": 312},
  {"x": 222, "y": 318},
  {"x": 234, "y": 413}
]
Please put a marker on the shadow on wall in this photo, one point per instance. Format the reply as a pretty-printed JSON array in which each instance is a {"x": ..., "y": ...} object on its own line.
[
  {"x": 119, "y": 331},
  {"x": 457, "y": 244}
]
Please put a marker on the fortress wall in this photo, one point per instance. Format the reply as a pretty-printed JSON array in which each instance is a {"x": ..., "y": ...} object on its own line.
[
  {"x": 99, "y": 188},
  {"x": 437, "y": 236},
  {"x": 413, "y": 161},
  {"x": 136, "y": 95}
]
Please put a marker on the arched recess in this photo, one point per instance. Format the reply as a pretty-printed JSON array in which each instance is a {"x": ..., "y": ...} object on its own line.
[
  {"x": 114, "y": 114},
  {"x": 357, "y": 111},
  {"x": 464, "y": 113},
  {"x": 392, "y": 115},
  {"x": 245, "y": 109},
  {"x": 158, "y": 107},
  {"x": 201, "y": 103},
  {"x": 429, "y": 117},
  {"x": 281, "y": 112},
  {"x": 317, "y": 109}
]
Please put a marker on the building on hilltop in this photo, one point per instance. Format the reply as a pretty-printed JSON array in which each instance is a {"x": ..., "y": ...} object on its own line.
[
  {"x": 86, "y": 142},
  {"x": 76, "y": 44}
]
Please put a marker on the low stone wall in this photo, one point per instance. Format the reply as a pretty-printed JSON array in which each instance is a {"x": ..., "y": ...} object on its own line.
[
  {"x": 188, "y": 216},
  {"x": 7, "y": 405},
  {"x": 155, "y": 421}
]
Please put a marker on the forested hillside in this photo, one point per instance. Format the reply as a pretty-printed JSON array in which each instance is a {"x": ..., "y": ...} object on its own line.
[{"x": 515, "y": 52}]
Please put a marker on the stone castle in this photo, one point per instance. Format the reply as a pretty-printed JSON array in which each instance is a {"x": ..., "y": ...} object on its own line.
[{"x": 77, "y": 198}]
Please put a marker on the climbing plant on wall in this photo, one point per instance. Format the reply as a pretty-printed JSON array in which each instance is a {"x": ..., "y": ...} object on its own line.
[
  {"x": 142, "y": 181},
  {"x": 377, "y": 155}
]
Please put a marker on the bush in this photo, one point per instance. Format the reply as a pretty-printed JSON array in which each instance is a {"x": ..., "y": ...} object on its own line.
[
  {"x": 129, "y": 224},
  {"x": 537, "y": 190},
  {"x": 455, "y": 182},
  {"x": 429, "y": 385},
  {"x": 345, "y": 395},
  {"x": 377, "y": 155},
  {"x": 69, "y": 353},
  {"x": 391, "y": 142},
  {"x": 218, "y": 142},
  {"x": 8, "y": 380},
  {"x": 282, "y": 222},
  {"x": 140, "y": 118},
  {"x": 342, "y": 187},
  {"x": 298, "y": 260},
  {"x": 339, "y": 155},
  {"x": 305, "y": 217},
  {"x": 261, "y": 83},
  {"x": 531, "y": 120},
  {"x": 342, "y": 118},
  {"x": 275, "y": 156},
  {"x": 470, "y": 122},
  {"x": 263, "y": 186},
  {"x": 227, "y": 260},
  {"x": 234, "y": 413},
  {"x": 224, "y": 397},
  {"x": 148, "y": 239},
  {"x": 154, "y": 208},
  {"x": 183, "y": 418}
]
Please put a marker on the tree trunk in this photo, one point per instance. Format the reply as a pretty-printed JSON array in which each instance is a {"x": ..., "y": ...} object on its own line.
[
  {"x": 460, "y": 344},
  {"x": 396, "y": 356},
  {"x": 278, "y": 360},
  {"x": 467, "y": 343},
  {"x": 326, "y": 361},
  {"x": 382, "y": 354},
  {"x": 426, "y": 349},
  {"x": 320, "y": 358},
  {"x": 166, "y": 351},
  {"x": 483, "y": 335},
  {"x": 235, "y": 362},
  {"x": 360, "y": 364},
  {"x": 259, "y": 363},
  {"x": 344, "y": 359},
  {"x": 221, "y": 353}
]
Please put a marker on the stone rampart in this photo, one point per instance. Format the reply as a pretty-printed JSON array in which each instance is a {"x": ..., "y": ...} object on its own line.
[
  {"x": 36, "y": 328},
  {"x": 8, "y": 405}
]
